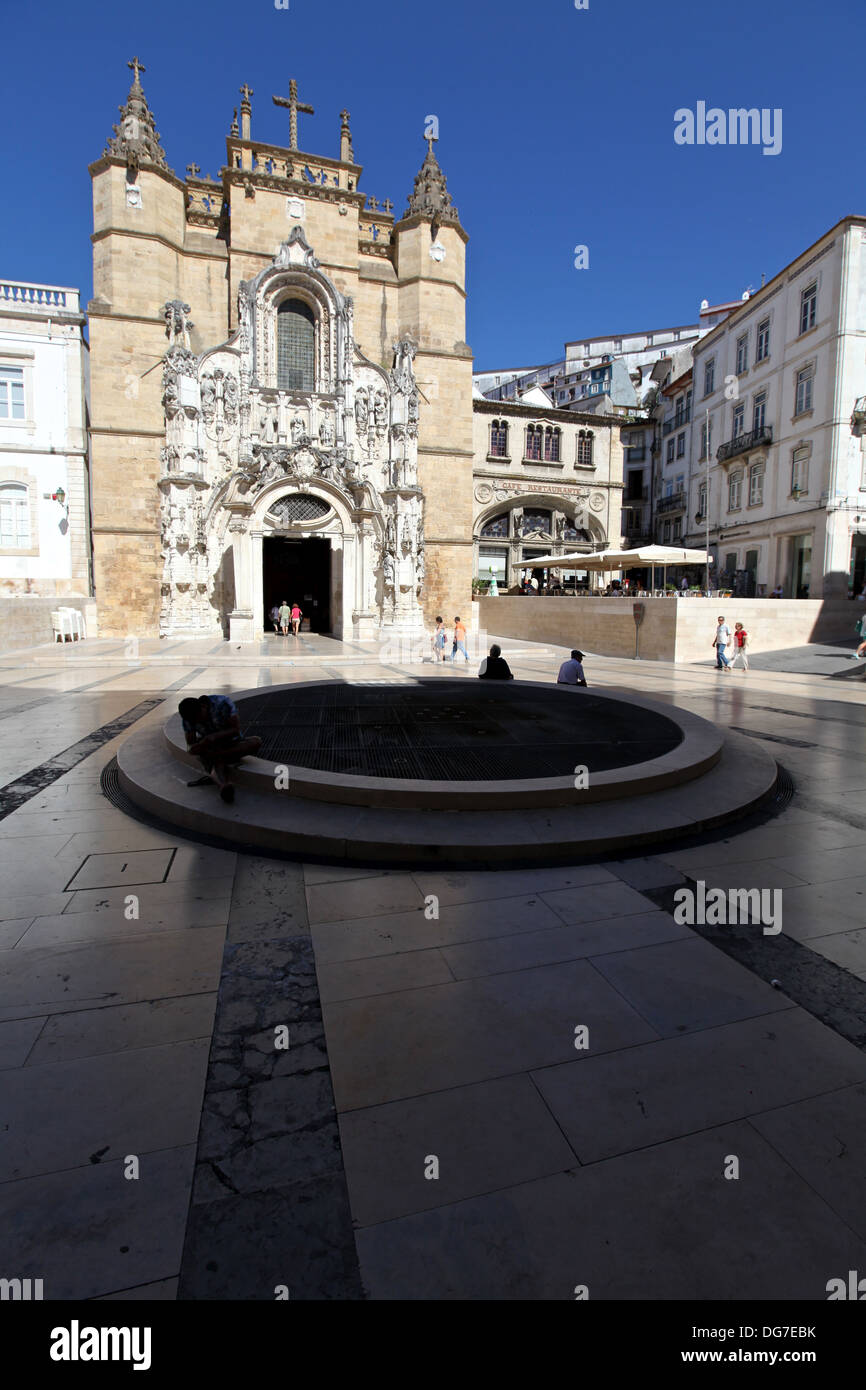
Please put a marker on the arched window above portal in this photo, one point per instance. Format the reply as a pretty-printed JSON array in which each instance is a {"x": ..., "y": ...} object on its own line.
[{"x": 296, "y": 346}]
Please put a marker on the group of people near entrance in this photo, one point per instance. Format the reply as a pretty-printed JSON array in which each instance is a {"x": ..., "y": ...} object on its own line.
[
  {"x": 737, "y": 641},
  {"x": 284, "y": 616}
]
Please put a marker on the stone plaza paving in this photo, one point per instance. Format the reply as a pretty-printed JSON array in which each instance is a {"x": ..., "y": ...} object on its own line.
[{"x": 432, "y": 1021}]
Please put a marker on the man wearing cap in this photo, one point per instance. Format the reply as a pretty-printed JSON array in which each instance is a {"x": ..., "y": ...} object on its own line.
[{"x": 571, "y": 671}]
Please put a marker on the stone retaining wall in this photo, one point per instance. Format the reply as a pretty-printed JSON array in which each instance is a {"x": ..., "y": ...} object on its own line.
[
  {"x": 673, "y": 629},
  {"x": 25, "y": 619}
]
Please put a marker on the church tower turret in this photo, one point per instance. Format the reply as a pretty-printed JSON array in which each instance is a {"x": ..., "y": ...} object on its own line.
[{"x": 430, "y": 260}]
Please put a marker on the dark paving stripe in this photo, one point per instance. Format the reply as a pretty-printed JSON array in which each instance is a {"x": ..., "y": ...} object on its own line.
[
  {"x": 825, "y": 989},
  {"x": 185, "y": 680},
  {"x": 270, "y": 1205},
  {"x": 16, "y": 793}
]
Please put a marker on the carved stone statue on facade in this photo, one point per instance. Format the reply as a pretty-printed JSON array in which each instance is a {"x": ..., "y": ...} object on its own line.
[
  {"x": 361, "y": 411},
  {"x": 177, "y": 323},
  {"x": 230, "y": 395},
  {"x": 380, "y": 410},
  {"x": 402, "y": 374},
  {"x": 299, "y": 430},
  {"x": 326, "y": 432},
  {"x": 208, "y": 396}
]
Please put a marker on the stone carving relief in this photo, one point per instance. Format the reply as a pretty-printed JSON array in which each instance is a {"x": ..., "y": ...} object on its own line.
[{"x": 231, "y": 434}]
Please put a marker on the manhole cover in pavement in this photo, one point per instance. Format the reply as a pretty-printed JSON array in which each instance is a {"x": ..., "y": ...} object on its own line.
[{"x": 116, "y": 870}]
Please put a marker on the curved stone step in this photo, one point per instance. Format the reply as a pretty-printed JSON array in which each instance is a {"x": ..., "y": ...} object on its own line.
[{"x": 155, "y": 781}]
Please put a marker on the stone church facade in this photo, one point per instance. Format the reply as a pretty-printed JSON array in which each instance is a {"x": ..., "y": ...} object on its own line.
[{"x": 281, "y": 390}]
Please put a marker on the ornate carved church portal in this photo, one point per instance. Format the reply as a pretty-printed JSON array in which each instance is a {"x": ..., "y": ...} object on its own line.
[{"x": 288, "y": 431}]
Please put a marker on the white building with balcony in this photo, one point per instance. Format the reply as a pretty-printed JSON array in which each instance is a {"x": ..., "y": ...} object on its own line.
[
  {"x": 44, "y": 496},
  {"x": 777, "y": 448}
]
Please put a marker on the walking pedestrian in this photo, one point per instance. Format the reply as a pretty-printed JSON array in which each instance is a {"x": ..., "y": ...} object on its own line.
[
  {"x": 741, "y": 642},
  {"x": 285, "y": 617},
  {"x": 720, "y": 642},
  {"x": 274, "y": 616},
  {"x": 571, "y": 671},
  {"x": 459, "y": 642},
  {"x": 440, "y": 637},
  {"x": 212, "y": 728},
  {"x": 297, "y": 615},
  {"x": 860, "y": 628}
]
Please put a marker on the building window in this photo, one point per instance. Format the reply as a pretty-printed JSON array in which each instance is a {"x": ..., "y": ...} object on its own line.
[
  {"x": 706, "y": 438},
  {"x": 584, "y": 448},
  {"x": 497, "y": 526},
  {"x": 666, "y": 531},
  {"x": 670, "y": 454},
  {"x": 710, "y": 377},
  {"x": 551, "y": 444},
  {"x": 756, "y": 484},
  {"x": 808, "y": 307},
  {"x": 617, "y": 344},
  {"x": 738, "y": 419},
  {"x": 296, "y": 346},
  {"x": 735, "y": 490},
  {"x": 493, "y": 562},
  {"x": 800, "y": 471},
  {"x": 533, "y": 522},
  {"x": 760, "y": 411},
  {"x": 533, "y": 442},
  {"x": 762, "y": 343},
  {"x": 742, "y": 354},
  {"x": 677, "y": 528},
  {"x": 689, "y": 404},
  {"x": 499, "y": 439},
  {"x": 14, "y": 517},
  {"x": 681, "y": 445},
  {"x": 702, "y": 500},
  {"x": 11, "y": 393},
  {"x": 804, "y": 391}
]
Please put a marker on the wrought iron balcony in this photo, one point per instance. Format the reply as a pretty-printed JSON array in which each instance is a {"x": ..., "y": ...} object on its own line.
[
  {"x": 675, "y": 503},
  {"x": 755, "y": 439},
  {"x": 676, "y": 422}
]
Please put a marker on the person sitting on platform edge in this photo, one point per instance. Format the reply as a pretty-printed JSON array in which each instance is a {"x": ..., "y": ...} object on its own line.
[
  {"x": 494, "y": 667},
  {"x": 213, "y": 732},
  {"x": 571, "y": 671}
]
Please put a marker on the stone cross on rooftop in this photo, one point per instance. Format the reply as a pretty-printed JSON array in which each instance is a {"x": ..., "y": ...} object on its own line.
[
  {"x": 137, "y": 66},
  {"x": 294, "y": 107}
]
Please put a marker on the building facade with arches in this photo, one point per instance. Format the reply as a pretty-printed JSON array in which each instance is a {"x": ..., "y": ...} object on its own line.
[{"x": 545, "y": 482}]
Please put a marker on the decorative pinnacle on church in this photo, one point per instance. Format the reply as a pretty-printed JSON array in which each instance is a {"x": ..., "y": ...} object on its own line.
[
  {"x": 430, "y": 196},
  {"x": 136, "y": 138}
]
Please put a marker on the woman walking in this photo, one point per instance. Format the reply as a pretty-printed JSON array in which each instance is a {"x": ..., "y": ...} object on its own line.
[
  {"x": 439, "y": 639},
  {"x": 297, "y": 615},
  {"x": 741, "y": 642}
]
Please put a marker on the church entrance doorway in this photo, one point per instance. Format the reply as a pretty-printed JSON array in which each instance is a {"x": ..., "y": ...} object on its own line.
[{"x": 298, "y": 571}]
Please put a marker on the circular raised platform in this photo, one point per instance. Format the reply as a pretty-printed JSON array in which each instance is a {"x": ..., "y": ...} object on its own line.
[
  {"x": 698, "y": 779},
  {"x": 524, "y": 744},
  {"x": 454, "y": 730}
]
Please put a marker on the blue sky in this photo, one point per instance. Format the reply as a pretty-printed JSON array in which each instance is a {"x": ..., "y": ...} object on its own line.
[{"x": 556, "y": 130}]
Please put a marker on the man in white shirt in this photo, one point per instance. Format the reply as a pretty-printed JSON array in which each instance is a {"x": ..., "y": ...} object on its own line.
[
  {"x": 571, "y": 671},
  {"x": 720, "y": 641}
]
